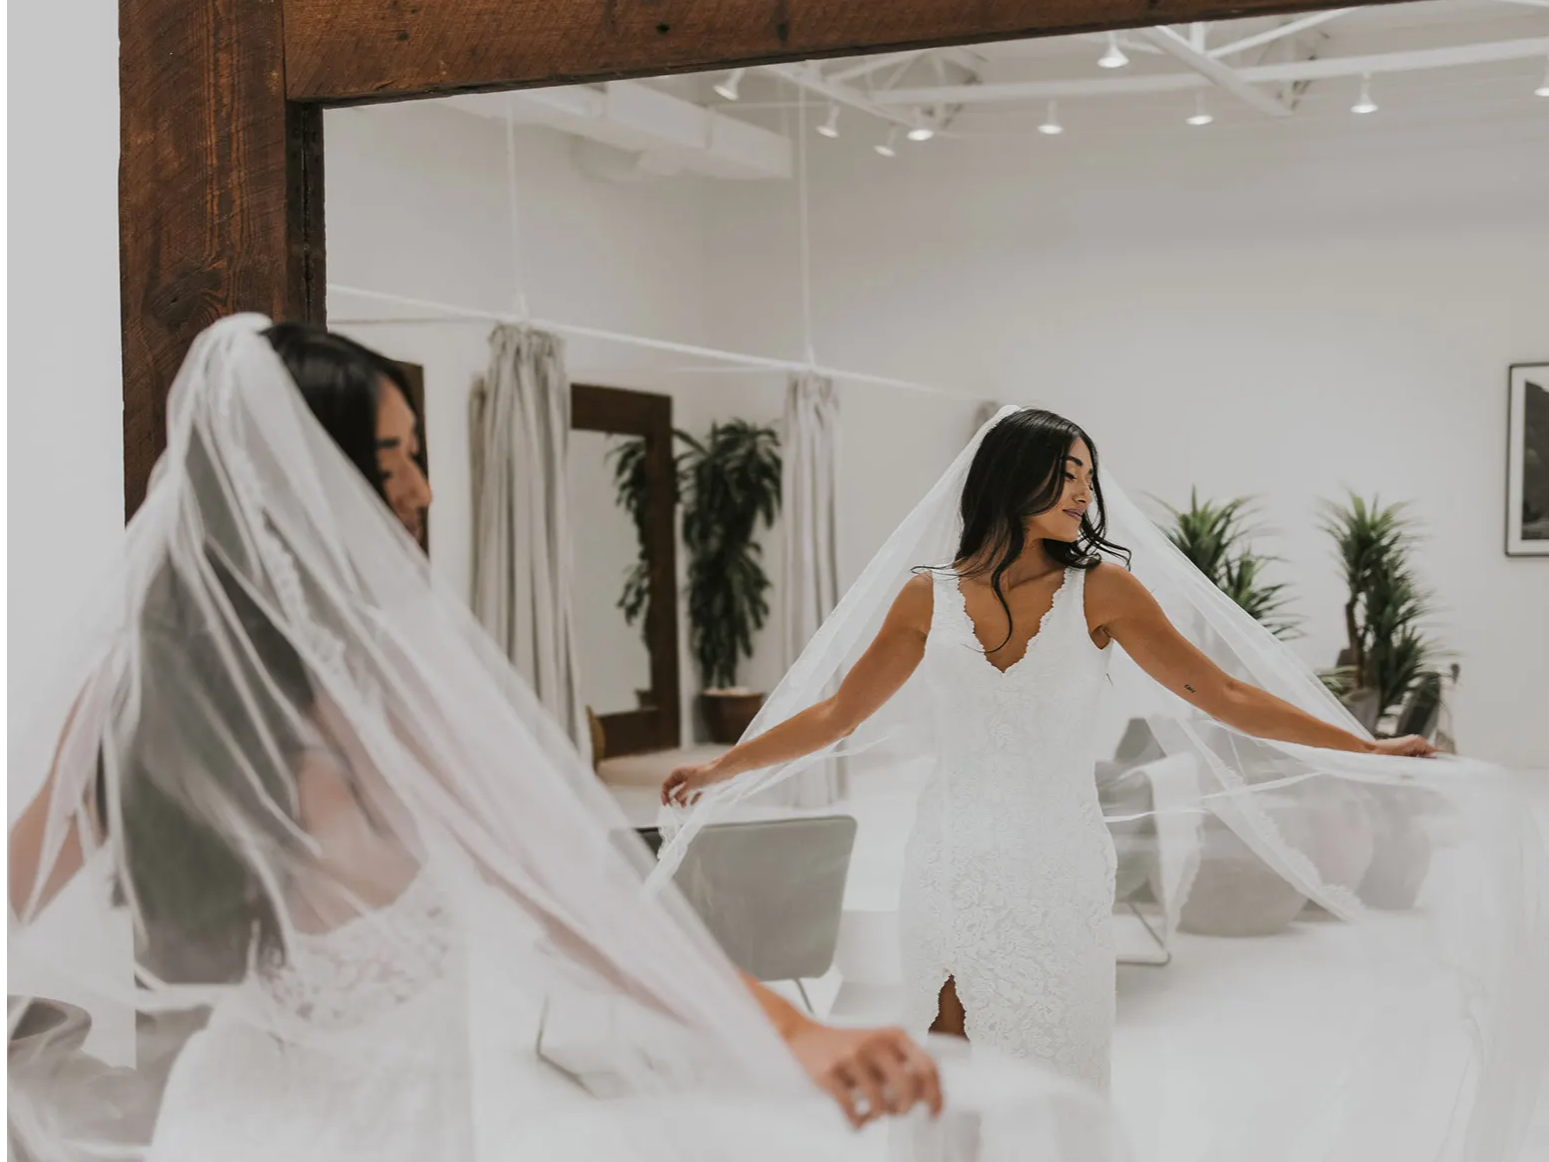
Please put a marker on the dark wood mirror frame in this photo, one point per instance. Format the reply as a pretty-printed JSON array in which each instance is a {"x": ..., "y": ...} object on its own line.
[
  {"x": 638, "y": 413},
  {"x": 221, "y": 119}
]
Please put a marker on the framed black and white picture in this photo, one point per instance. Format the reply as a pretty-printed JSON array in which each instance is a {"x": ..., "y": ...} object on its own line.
[{"x": 1527, "y": 462}]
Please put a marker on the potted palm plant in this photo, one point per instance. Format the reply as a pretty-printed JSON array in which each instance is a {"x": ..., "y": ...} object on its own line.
[
  {"x": 1234, "y": 893},
  {"x": 1387, "y": 655},
  {"x": 730, "y": 484},
  {"x": 1387, "y": 651},
  {"x": 632, "y": 491},
  {"x": 1217, "y": 538}
]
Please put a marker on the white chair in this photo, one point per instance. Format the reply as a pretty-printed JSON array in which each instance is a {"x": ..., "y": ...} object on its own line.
[{"x": 771, "y": 892}]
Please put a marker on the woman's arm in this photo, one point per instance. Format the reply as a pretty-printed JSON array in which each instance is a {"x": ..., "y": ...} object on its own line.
[
  {"x": 883, "y": 1066},
  {"x": 882, "y": 669},
  {"x": 26, "y": 856},
  {"x": 1129, "y": 615},
  {"x": 30, "y": 832}
]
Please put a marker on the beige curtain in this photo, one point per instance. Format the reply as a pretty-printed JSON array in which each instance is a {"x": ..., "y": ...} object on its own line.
[
  {"x": 809, "y": 511},
  {"x": 519, "y": 433}
]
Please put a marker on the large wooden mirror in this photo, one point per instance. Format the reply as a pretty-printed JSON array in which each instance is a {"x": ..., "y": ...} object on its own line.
[{"x": 221, "y": 140}]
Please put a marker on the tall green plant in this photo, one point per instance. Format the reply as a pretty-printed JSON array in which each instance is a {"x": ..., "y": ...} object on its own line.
[
  {"x": 1387, "y": 648},
  {"x": 731, "y": 484},
  {"x": 633, "y": 491},
  {"x": 1217, "y": 538}
]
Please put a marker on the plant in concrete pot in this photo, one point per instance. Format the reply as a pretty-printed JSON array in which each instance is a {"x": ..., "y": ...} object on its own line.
[
  {"x": 1233, "y": 892},
  {"x": 730, "y": 484},
  {"x": 1388, "y": 654},
  {"x": 1387, "y": 650}
]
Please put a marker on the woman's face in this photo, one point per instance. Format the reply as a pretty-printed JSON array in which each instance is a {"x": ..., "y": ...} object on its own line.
[
  {"x": 397, "y": 444},
  {"x": 1063, "y": 521}
]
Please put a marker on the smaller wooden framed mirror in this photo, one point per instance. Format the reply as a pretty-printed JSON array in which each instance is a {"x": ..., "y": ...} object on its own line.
[{"x": 623, "y": 493}]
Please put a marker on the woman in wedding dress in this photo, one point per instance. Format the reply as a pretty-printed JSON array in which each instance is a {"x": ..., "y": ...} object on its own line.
[
  {"x": 362, "y": 401},
  {"x": 1007, "y": 900},
  {"x": 317, "y": 807}
]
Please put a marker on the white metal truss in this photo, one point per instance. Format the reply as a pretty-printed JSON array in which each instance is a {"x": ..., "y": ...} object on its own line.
[
  {"x": 1269, "y": 36},
  {"x": 1191, "y": 52},
  {"x": 1290, "y": 72}
]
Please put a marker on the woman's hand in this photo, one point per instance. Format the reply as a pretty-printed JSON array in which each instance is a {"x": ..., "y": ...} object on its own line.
[
  {"x": 685, "y": 784},
  {"x": 870, "y": 1072},
  {"x": 1410, "y": 746}
]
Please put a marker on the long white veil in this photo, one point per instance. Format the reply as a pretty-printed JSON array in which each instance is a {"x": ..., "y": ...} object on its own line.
[
  {"x": 1431, "y": 1027},
  {"x": 331, "y": 886}
]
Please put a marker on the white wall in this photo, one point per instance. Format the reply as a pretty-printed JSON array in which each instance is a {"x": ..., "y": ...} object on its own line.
[
  {"x": 64, "y": 391},
  {"x": 1281, "y": 311},
  {"x": 417, "y": 205}
]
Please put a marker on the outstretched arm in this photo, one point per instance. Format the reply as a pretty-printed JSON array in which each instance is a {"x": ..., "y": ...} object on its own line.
[
  {"x": 30, "y": 835},
  {"x": 1131, "y": 616},
  {"x": 882, "y": 669}
]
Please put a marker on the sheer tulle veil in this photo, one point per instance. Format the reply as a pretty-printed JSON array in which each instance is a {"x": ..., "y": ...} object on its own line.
[
  {"x": 330, "y": 885},
  {"x": 1428, "y": 875}
]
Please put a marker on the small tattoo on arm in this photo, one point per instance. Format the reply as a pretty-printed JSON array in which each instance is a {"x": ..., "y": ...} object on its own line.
[{"x": 1190, "y": 689}]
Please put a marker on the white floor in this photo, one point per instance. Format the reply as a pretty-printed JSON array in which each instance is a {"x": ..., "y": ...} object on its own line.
[{"x": 1233, "y": 1035}]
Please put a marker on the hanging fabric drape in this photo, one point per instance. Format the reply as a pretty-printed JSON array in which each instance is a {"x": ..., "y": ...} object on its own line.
[
  {"x": 811, "y": 503},
  {"x": 519, "y": 433}
]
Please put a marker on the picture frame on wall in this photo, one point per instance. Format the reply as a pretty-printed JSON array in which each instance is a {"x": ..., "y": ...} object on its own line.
[{"x": 1527, "y": 461}]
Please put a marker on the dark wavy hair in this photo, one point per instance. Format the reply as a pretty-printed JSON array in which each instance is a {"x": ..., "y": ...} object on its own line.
[
  {"x": 1017, "y": 474},
  {"x": 341, "y": 381}
]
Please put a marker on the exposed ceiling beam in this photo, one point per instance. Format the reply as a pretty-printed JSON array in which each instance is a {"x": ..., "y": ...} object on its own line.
[
  {"x": 1528, "y": 3},
  {"x": 808, "y": 77},
  {"x": 1325, "y": 68},
  {"x": 1214, "y": 71},
  {"x": 1270, "y": 35}
]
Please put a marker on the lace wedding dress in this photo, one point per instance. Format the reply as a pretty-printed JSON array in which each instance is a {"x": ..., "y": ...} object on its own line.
[
  {"x": 315, "y": 1058},
  {"x": 1009, "y": 872}
]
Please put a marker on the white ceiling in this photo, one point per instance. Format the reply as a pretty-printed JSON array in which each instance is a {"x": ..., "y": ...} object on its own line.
[
  {"x": 1438, "y": 58},
  {"x": 1435, "y": 67}
]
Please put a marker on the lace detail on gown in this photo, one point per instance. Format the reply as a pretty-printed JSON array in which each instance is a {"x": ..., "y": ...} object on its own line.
[
  {"x": 346, "y": 1051},
  {"x": 366, "y": 966},
  {"x": 1008, "y": 885}
]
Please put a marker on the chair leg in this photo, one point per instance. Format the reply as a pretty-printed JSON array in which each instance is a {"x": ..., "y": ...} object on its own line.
[
  {"x": 1167, "y": 953},
  {"x": 805, "y": 999}
]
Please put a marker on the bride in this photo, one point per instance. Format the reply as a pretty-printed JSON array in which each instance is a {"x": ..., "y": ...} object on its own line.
[
  {"x": 1008, "y": 644},
  {"x": 1007, "y": 906},
  {"x": 295, "y": 797}
]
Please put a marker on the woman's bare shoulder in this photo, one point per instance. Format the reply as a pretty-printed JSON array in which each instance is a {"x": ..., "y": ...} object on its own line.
[{"x": 913, "y": 605}]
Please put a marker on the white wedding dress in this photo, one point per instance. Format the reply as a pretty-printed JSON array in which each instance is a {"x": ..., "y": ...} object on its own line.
[
  {"x": 343, "y": 1052},
  {"x": 1009, "y": 872}
]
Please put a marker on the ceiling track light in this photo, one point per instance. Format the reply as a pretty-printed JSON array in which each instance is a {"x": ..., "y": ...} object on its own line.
[
  {"x": 1114, "y": 58},
  {"x": 732, "y": 85},
  {"x": 921, "y": 132},
  {"x": 1201, "y": 115},
  {"x": 1365, "y": 104},
  {"x": 889, "y": 147},
  {"x": 1051, "y": 126},
  {"x": 1543, "y": 86},
  {"x": 830, "y": 128}
]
